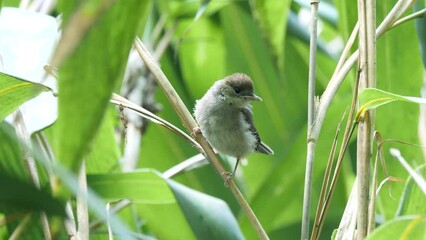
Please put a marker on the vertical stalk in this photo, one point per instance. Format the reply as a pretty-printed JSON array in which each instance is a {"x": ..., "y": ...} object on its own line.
[
  {"x": 367, "y": 61},
  {"x": 311, "y": 116}
]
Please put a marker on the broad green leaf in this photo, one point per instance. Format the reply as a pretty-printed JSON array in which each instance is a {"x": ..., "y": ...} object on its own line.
[
  {"x": 105, "y": 154},
  {"x": 165, "y": 221},
  {"x": 201, "y": 54},
  {"x": 18, "y": 196},
  {"x": 15, "y": 91},
  {"x": 209, "y": 217},
  {"x": 272, "y": 18},
  {"x": 90, "y": 72},
  {"x": 410, "y": 227},
  {"x": 178, "y": 8},
  {"x": 140, "y": 187},
  {"x": 154, "y": 200},
  {"x": 371, "y": 98},
  {"x": 11, "y": 160},
  {"x": 413, "y": 200}
]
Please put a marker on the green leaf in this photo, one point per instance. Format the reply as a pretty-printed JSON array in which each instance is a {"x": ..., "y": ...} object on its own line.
[
  {"x": 11, "y": 161},
  {"x": 413, "y": 200},
  {"x": 209, "y": 217},
  {"x": 105, "y": 153},
  {"x": 90, "y": 72},
  {"x": 200, "y": 48},
  {"x": 372, "y": 98},
  {"x": 410, "y": 227},
  {"x": 154, "y": 201},
  {"x": 18, "y": 195},
  {"x": 15, "y": 91},
  {"x": 272, "y": 18},
  {"x": 141, "y": 187}
]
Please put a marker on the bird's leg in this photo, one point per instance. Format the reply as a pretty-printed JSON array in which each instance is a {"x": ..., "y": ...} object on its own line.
[
  {"x": 235, "y": 168},
  {"x": 230, "y": 175}
]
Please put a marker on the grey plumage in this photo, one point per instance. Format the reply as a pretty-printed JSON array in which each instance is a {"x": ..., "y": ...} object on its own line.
[{"x": 225, "y": 117}]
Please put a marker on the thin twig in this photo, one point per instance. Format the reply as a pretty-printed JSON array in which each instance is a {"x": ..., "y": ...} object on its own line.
[
  {"x": 190, "y": 124},
  {"x": 327, "y": 174},
  {"x": 310, "y": 155},
  {"x": 121, "y": 101},
  {"x": 349, "y": 129},
  {"x": 187, "y": 165},
  {"x": 16, "y": 234},
  {"x": 347, "y": 49},
  {"x": 418, "y": 14},
  {"x": 421, "y": 182},
  {"x": 372, "y": 206}
]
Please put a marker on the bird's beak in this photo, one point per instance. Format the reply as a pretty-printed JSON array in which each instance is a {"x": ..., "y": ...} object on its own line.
[{"x": 254, "y": 98}]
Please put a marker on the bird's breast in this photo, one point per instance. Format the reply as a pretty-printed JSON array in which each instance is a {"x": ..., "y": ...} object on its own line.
[{"x": 226, "y": 130}]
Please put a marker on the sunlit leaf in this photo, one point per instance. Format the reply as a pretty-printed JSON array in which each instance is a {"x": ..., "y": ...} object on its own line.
[
  {"x": 413, "y": 200},
  {"x": 140, "y": 187},
  {"x": 15, "y": 91},
  {"x": 89, "y": 73},
  {"x": 371, "y": 98},
  {"x": 410, "y": 227}
]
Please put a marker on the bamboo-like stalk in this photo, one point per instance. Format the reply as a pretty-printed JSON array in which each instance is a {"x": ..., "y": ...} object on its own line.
[
  {"x": 367, "y": 62},
  {"x": 310, "y": 155},
  {"x": 340, "y": 74},
  {"x": 190, "y": 124}
]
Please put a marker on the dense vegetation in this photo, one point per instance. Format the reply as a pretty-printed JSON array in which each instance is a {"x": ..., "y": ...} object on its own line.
[{"x": 76, "y": 159}]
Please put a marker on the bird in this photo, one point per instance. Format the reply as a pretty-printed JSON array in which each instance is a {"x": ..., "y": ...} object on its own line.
[{"x": 225, "y": 118}]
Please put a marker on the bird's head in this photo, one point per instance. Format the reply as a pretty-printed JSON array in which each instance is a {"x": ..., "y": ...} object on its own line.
[{"x": 237, "y": 90}]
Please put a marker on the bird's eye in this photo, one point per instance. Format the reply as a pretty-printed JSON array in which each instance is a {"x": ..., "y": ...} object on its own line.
[{"x": 237, "y": 90}]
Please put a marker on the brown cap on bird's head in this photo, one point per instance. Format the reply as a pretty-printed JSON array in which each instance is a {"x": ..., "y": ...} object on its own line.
[{"x": 242, "y": 85}]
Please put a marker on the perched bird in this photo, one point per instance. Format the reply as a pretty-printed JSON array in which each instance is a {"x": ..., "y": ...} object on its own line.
[{"x": 225, "y": 117}]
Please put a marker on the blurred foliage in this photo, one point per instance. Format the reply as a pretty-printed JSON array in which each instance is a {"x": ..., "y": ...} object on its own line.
[{"x": 268, "y": 40}]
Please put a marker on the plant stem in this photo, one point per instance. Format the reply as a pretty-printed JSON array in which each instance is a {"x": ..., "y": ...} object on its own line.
[
  {"x": 190, "y": 124},
  {"x": 367, "y": 67},
  {"x": 311, "y": 116}
]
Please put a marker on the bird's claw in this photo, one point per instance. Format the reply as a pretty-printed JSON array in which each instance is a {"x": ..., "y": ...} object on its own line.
[
  {"x": 195, "y": 131},
  {"x": 228, "y": 177}
]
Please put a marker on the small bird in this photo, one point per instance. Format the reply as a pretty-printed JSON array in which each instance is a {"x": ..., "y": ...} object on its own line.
[{"x": 225, "y": 117}]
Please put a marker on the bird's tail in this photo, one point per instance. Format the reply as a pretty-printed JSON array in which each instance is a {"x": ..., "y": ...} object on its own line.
[{"x": 263, "y": 148}]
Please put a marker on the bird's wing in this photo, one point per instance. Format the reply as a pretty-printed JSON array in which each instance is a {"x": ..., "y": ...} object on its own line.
[{"x": 260, "y": 147}]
